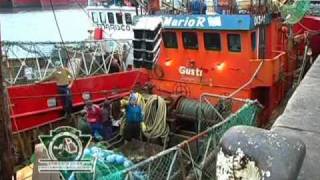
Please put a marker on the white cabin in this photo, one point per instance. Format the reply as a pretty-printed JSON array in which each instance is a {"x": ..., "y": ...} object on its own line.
[{"x": 116, "y": 21}]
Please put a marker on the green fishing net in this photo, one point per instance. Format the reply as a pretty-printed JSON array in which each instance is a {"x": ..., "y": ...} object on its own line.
[
  {"x": 108, "y": 165},
  {"x": 293, "y": 13}
]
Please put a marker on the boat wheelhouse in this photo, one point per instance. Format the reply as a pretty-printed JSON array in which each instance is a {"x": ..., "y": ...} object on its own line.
[
  {"x": 233, "y": 55},
  {"x": 114, "y": 24},
  {"x": 113, "y": 21}
]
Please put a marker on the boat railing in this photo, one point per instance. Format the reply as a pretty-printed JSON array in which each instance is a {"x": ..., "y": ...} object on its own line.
[
  {"x": 195, "y": 157},
  {"x": 222, "y": 6},
  {"x": 36, "y": 105},
  {"x": 269, "y": 70},
  {"x": 26, "y": 62}
]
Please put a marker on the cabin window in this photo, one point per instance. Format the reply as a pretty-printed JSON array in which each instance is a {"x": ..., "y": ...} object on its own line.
[
  {"x": 170, "y": 39},
  {"x": 119, "y": 18},
  {"x": 103, "y": 18},
  {"x": 110, "y": 18},
  {"x": 190, "y": 40},
  {"x": 234, "y": 42},
  {"x": 95, "y": 17},
  {"x": 128, "y": 18},
  {"x": 212, "y": 41},
  {"x": 253, "y": 40}
]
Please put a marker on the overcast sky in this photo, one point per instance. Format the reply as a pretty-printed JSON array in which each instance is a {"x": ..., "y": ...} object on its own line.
[{"x": 40, "y": 25}]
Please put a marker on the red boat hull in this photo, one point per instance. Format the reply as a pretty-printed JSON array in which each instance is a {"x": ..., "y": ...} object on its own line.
[
  {"x": 46, "y": 3},
  {"x": 310, "y": 25},
  {"x": 25, "y": 3},
  {"x": 29, "y": 103}
]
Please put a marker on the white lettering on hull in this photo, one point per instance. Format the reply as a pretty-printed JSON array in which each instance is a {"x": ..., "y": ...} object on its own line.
[
  {"x": 190, "y": 22},
  {"x": 190, "y": 71},
  {"x": 258, "y": 20}
]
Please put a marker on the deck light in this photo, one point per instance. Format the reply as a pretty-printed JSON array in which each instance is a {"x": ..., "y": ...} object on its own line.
[
  {"x": 192, "y": 63},
  {"x": 168, "y": 62},
  {"x": 220, "y": 66}
]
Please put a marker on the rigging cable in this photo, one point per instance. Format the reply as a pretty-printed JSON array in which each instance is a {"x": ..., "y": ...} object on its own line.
[
  {"x": 83, "y": 9},
  {"x": 90, "y": 19},
  {"x": 61, "y": 38},
  {"x": 56, "y": 21}
]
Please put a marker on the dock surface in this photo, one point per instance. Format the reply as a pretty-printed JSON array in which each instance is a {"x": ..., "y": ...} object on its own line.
[{"x": 301, "y": 119}]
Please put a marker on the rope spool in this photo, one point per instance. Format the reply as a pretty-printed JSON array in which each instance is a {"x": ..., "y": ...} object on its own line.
[
  {"x": 203, "y": 111},
  {"x": 155, "y": 118}
]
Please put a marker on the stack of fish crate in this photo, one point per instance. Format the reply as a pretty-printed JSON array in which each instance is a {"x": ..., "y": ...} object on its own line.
[{"x": 146, "y": 42}]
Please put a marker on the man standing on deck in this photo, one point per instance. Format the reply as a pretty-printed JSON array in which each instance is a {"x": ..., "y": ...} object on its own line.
[
  {"x": 64, "y": 80},
  {"x": 134, "y": 118}
]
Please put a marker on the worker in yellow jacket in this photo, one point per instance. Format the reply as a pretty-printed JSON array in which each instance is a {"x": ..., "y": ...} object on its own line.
[{"x": 64, "y": 81}]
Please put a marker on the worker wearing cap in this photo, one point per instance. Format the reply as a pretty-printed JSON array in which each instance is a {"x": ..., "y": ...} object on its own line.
[
  {"x": 64, "y": 81},
  {"x": 134, "y": 118}
]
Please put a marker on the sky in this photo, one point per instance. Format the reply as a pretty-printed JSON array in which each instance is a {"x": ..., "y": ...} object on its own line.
[{"x": 40, "y": 25}]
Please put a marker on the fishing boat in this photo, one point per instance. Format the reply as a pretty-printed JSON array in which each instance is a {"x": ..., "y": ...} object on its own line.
[
  {"x": 198, "y": 75},
  {"x": 112, "y": 39},
  {"x": 112, "y": 21},
  {"x": 240, "y": 56}
]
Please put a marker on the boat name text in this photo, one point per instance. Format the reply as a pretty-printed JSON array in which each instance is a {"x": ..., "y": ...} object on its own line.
[
  {"x": 259, "y": 20},
  {"x": 116, "y": 27},
  {"x": 190, "y": 71},
  {"x": 189, "y": 22}
]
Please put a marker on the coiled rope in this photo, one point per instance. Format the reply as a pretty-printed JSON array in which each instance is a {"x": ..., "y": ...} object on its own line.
[
  {"x": 155, "y": 118},
  {"x": 141, "y": 102}
]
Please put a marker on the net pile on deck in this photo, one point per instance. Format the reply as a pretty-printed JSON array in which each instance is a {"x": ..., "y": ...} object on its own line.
[{"x": 109, "y": 165}]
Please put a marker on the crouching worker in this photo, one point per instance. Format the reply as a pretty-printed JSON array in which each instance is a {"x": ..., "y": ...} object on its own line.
[
  {"x": 94, "y": 119},
  {"x": 133, "y": 119}
]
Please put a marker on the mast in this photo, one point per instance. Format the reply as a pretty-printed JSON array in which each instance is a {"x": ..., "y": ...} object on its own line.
[{"x": 6, "y": 145}]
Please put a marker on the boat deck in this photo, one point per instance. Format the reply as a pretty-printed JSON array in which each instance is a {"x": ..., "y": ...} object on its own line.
[{"x": 301, "y": 119}]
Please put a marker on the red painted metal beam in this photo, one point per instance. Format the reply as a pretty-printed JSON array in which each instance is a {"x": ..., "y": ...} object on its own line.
[{"x": 29, "y": 103}]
